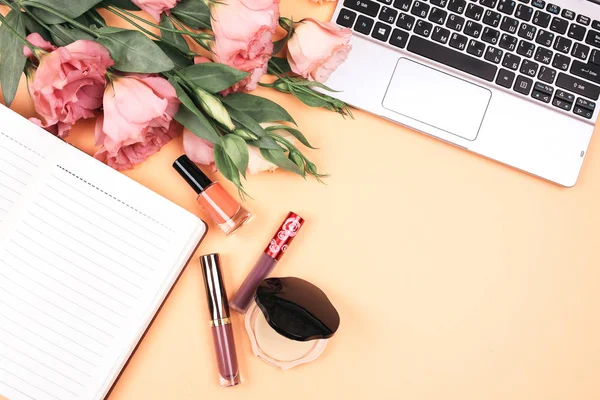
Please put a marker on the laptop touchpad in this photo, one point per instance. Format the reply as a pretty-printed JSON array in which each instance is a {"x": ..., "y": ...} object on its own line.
[{"x": 437, "y": 99}]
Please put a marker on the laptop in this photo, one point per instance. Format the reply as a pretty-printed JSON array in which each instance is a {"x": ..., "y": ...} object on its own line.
[{"x": 514, "y": 81}]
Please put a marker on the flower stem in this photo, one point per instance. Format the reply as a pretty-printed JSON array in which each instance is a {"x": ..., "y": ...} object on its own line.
[
  {"x": 145, "y": 21},
  {"x": 201, "y": 41},
  {"x": 60, "y": 15}
]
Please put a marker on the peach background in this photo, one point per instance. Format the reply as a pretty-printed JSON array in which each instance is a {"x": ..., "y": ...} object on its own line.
[{"x": 455, "y": 277}]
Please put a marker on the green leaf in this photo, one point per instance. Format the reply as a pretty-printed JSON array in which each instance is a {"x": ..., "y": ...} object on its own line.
[
  {"x": 193, "y": 13},
  {"x": 124, "y": 4},
  {"x": 245, "y": 121},
  {"x": 32, "y": 26},
  {"x": 295, "y": 132},
  {"x": 258, "y": 108},
  {"x": 91, "y": 19},
  {"x": 12, "y": 60},
  {"x": 279, "y": 158},
  {"x": 237, "y": 149},
  {"x": 69, "y": 8},
  {"x": 192, "y": 118},
  {"x": 63, "y": 35},
  {"x": 226, "y": 166},
  {"x": 180, "y": 60},
  {"x": 213, "y": 77},
  {"x": 299, "y": 81},
  {"x": 133, "y": 51},
  {"x": 280, "y": 65},
  {"x": 308, "y": 99},
  {"x": 173, "y": 37}
]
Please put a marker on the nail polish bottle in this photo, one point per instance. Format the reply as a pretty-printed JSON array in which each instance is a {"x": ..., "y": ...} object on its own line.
[
  {"x": 223, "y": 209},
  {"x": 227, "y": 364},
  {"x": 267, "y": 261}
]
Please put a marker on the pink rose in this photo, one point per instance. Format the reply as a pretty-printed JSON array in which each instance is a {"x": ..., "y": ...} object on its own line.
[
  {"x": 155, "y": 7},
  {"x": 317, "y": 48},
  {"x": 69, "y": 83},
  {"x": 38, "y": 41},
  {"x": 243, "y": 37},
  {"x": 138, "y": 120}
]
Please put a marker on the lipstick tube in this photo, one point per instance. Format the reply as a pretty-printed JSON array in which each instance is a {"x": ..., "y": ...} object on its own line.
[
  {"x": 267, "y": 261},
  {"x": 220, "y": 324}
]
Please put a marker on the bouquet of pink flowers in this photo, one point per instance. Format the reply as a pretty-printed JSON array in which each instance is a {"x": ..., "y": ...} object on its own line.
[{"x": 186, "y": 70}]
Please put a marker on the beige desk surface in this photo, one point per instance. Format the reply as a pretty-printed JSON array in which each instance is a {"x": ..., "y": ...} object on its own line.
[{"x": 456, "y": 278}]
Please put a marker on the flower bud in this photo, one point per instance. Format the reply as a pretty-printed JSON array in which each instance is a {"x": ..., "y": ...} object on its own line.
[
  {"x": 214, "y": 108},
  {"x": 282, "y": 86},
  {"x": 298, "y": 160},
  {"x": 312, "y": 168},
  {"x": 245, "y": 134}
]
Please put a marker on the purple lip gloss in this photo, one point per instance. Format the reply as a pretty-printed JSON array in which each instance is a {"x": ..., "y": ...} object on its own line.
[
  {"x": 267, "y": 261},
  {"x": 229, "y": 374}
]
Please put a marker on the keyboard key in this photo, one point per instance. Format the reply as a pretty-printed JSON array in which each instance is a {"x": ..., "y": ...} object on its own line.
[
  {"x": 596, "y": 25},
  {"x": 538, "y": 4},
  {"x": 399, "y": 38},
  {"x": 452, "y": 58},
  {"x": 545, "y": 38},
  {"x": 576, "y": 32},
  {"x": 476, "y": 48},
  {"x": 364, "y": 24},
  {"x": 511, "y": 61},
  {"x": 559, "y": 25},
  {"x": 493, "y": 54},
  {"x": 542, "y": 87},
  {"x": 488, "y": 3},
  {"x": 580, "y": 51},
  {"x": 457, "y": 6},
  {"x": 405, "y": 21},
  {"x": 472, "y": 29},
  {"x": 593, "y": 38},
  {"x": 542, "y": 19},
  {"x": 563, "y": 44},
  {"x": 524, "y": 12},
  {"x": 561, "y": 62},
  {"x": 541, "y": 96},
  {"x": 583, "y": 20},
  {"x": 543, "y": 55},
  {"x": 440, "y": 34},
  {"x": 420, "y": 9},
  {"x": 529, "y": 68},
  {"x": 583, "y": 112},
  {"x": 492, "y": 18},
  {"x": 523, "y": 85},
  {"x": 364, "y": 6},
  {"x": 527, "y": 31},
  {"x": 526, "y": 49},
  {"x": 386, "y": 2},
  {"x": 382, "y": 31},
  {"x": 439, "y": 3},
  {"x": 578, "y": 86},
  {"x": 507, "y": 6},
  {"x": 590, "y": 105},
  {"x": 508, "y": 42},
  {"x": 490, "y": 35},
  {"x": 565, "y": 105},
  {"x": 403, "y": 5},
  {"x": 458, "y": 41},
  {"x": 346, "y": 18},
  {"x": 553, "y": 9},
  {"x": 388, "y": 15},
  {"x": 509, "y": 25},
  {"x": 568, "y": 14},
  {"x": 568, "y": 97},
  {"x": 505, "y": 78},
  {"x": 438, "y": 16},
  {"x": 595, "y": 57},
  {"x": 423, "y": 28},
  {"x": 589, "y": 71},
  {"x": 547, "y": 74},
  {"x": 474, "y": 12}
]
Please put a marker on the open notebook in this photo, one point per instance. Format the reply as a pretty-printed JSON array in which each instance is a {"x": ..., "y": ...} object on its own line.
[{"x": 87, "y": 256}]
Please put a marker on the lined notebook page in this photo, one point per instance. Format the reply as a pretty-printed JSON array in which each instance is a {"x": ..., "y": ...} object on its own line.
[{"x": 86, "y": 258}]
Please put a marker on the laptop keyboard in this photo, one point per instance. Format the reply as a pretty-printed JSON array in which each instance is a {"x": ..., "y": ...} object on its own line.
[{"x": 531, "y": 47}]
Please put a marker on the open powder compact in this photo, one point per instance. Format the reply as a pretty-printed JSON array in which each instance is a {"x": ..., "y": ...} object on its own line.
[{"x": 290, "y": 322}]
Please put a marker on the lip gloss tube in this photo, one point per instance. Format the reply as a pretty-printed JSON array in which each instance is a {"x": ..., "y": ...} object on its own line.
[
  {"x": 267, "y": 261},
  {"x": 227, "y": 364}
]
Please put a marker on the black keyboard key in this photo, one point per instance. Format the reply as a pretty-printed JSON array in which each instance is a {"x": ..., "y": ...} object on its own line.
[
  {"x": 452, "y": 58},
  {"x": 596, "y": 25},
  {"x": 561, "y": 62},
  {"x": 423, "y": 28},
  {"x": 403, "y": 5},
  {"x": 405, "y": 21},
  {"x": 364, "y": 24},
  {"x": 382, "y": 31},
  {"x": 578, "y": 86},
  {"x": 529, "y": 68},
  {"x": 458, "y": 41},
  {"x": 346, "y": 18},
  {"x": 580, "y": 51},
  {"x": 476, "y": 48},
  {"x": 559, "y": 25},
  {"x": 364, "y": 6},
  {"x": 542, "y": 19},
  {"x": 508, "y": 42},
  {"x": 583, "y": 20},
  {"x": 583, "y": 112},
  {"x": 455, "y": 22},
  {"x": 576, "y": 32},
  {"x": 489, "y": 3},
  {"x": 564, "y": 105},
  {"x": 505, "y": 78},
  {"x": 440, "y": 34},
  {"x": 386, "y": 2},
  {"x": 547, "y": 74},
  {"x": 524, "y": 12},
  {"x": 507, "y": 6},
  {"x": 490, "y": 35},
  {"x": 590, "y": 105},
  {"x": 523, "y": 85},
  {"x": 542, "y": 87},
  {"x": 472, "y": 29},
  {"x": 440, "y": 3},
  {"x": 388, "y": 15},
  {"x": 526, "y": 49},
  {"x": 595, "y": 57},
  {"x": 511, "y": 61},
  {"x": 543, "y": 55},
  {"x": 438, "y": 15},
  {"x": 474, "y": 12},
  {"x": 492, "y": 18},
  {"x": 589, "y": 71},
  {"x": 553, "y": 9},
  {"x": 541, "y": 96},
  {"x": 527, "y": 31},
  {"x": 568, "y": 97},
  {"x": 510, "y": 25},
  {"x": 493, "y": 54},
  {"x": 593, "y": 38},
  {"x": 544, "y": 38},
  {"x": 568, "y": 14},
  {"x": 457, "y": 6},
  {"x": 399, "y": 38},
  {"x": 563, "y": 44},
  {"x": 420, "y": 9},
  {"x": 538, "y": 4}
]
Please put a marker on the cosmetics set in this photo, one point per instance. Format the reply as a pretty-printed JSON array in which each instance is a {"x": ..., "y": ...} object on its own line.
[{"x": 288, "y": 320}]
